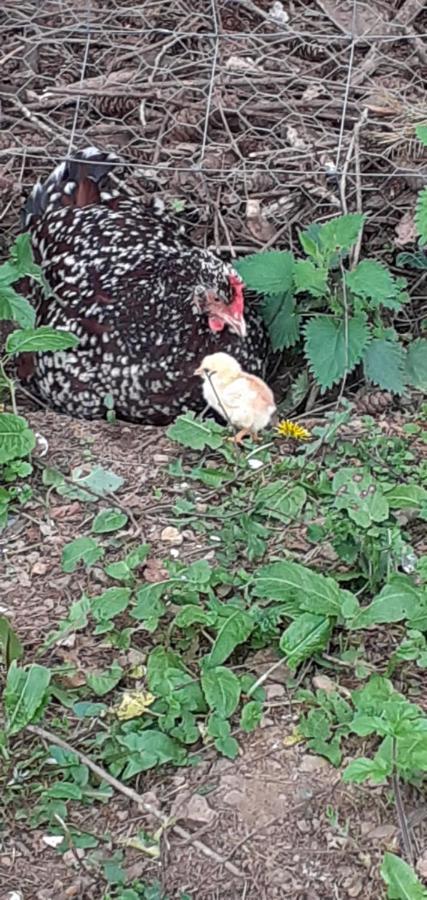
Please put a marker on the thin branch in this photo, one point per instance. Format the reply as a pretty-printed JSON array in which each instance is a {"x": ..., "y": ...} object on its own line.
[{"x": 133, "y": 795}]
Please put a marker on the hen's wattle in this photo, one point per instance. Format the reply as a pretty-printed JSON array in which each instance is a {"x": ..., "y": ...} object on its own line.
[{"x": 125, "y": 279}]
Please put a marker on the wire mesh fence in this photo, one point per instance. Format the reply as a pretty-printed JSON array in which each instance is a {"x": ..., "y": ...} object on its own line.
[{"x": 254, "y": 118}]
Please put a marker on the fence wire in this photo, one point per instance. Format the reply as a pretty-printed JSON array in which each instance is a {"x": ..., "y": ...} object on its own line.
[{"x": 253, "y": 117}]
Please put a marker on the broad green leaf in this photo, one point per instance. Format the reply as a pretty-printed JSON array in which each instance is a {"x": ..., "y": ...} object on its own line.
[
  {"x": 281, "y": 500},
  {"x": 281, "y": 320},
  {"x": 21, "y": 254},
  {"x": 15, "y": 308},
  {"x": 221, "y": 688},
  {"x": 401, "y": 880},
  {"x": 105, "y": 682},
  {"x": 333, "y": 348},
  {"x": 109, "y": 520},
  {"x": 99, "y": 481},
  {"x": 193, "y": 433},
  {"x": 421, "y": 216},
  {"x": 307, "y": 635},
  {"x": 310, "y": 278},
  {"x": 198, "y": 573},
  {"x": 16, "y": 438},
  {"x": 340, "y": 233},
  {"x": 191, "y": 615},
  {"x": 396, "y": 602},
  {"x": 416, "y": 364},
  {"x": 86, "y": 708},
  {"x": 234, "y": 630},
  {"x": 251, "y": 715},
  {"x": 119, "y": 570},
  {"x": 30, "y": 340},
  {"x": 149, "y": 606},
  {"x": 421, "y": 133},
  {"x": 361, "y": 769},
  {"x": 150, "y": 748},
  {"x": 315, "y": 593},
  {"x": 405, "y": 496},
  {"x": 82, "y": 549},
  {"x": 383, "y": 363},
  {"x": 64, "y": 790},
  {"x": 373, "y": 281},
  {"x": 228, "y": 746},
  {"x": 137, "y": 556},
  {"x": 76, "y": 620},
  {"x": 360, "y": 495},
  {"x": 268, "y": 272},
  {"x": 110, "y": 604},
  {"x": 417, "y": 260},
  {"x": 10, "y": 645},
  {"x": 25, "y": 695}
]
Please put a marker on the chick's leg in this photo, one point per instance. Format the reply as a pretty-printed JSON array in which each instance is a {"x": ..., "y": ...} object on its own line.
[{"x": 244, "y": 432}]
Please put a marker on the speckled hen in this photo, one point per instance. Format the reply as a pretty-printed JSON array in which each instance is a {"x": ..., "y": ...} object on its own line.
[{"x": 146, "y": 304}]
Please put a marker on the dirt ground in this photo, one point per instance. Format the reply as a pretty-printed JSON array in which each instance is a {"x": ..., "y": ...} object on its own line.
[{"x": 279, "y": 821}]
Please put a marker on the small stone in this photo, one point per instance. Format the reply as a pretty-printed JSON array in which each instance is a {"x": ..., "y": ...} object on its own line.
[
  {"x": 171, "y": 535},
  {"x": 198, "y": 810},
  {"x": 160, "y": 458},
  {"x": 71, "y": 857},
  {"x": 421, "y": 865},
  {"x": 323, "y": 683},
  {"x": 232, "y": 798},
  {"x": 382, "y": 833},
  {"x": 313, "y": 763},
  {"x": 273, "y": 691}
]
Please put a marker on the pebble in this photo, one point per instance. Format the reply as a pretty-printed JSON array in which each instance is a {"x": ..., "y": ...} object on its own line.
[{"x": 171, "y": 535}]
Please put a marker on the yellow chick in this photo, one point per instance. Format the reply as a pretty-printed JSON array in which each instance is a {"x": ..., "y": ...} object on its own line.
[{"x": 244, "y": 400}]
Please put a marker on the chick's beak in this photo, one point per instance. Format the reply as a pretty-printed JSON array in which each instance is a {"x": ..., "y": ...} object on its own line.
[{"x": 198, "y": 371}]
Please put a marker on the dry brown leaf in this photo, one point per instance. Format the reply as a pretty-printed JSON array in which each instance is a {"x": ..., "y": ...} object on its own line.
[
  {"x": 155, "y": 571},
  {"x": 405, "y": 230}
]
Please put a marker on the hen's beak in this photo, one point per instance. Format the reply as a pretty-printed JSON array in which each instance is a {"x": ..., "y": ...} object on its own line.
[{"x": 235, "y": 322}]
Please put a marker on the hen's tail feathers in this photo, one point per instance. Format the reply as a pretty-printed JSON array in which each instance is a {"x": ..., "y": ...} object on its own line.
[{"x": 79, "y": 181}]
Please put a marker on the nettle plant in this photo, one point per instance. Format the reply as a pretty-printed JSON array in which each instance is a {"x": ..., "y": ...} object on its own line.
[
  {"x": 343, "y": 315},
  {"x": 17, "y": 439}
]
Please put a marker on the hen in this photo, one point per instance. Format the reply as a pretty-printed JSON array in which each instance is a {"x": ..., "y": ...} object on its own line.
[
  {"x": 145, "y": 303},
  {"x": 243, "y": 399}
]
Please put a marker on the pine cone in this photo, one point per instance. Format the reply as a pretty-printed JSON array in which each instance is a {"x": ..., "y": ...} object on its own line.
[{"x": 373, "y": 403}]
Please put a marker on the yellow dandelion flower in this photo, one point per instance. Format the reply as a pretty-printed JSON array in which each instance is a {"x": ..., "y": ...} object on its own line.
[{"x": 288, "y": 429}]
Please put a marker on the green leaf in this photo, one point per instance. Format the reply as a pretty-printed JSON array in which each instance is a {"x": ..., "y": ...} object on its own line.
[
  {"x": 221, "y": 688},
  {"x": 251, "y": 715},
  {"x": 25, "y": 695},
  {"x": 15, "y": 308},
  {"x": 64, "y": 790},
  {"x": 137, "y": 556},
  {"x": 416, "y": 364},
  {"x": 235, "y": 630},
  {"x": 16, "y": 438},
  {"x": 361, "y": 769},
  {"x": 340, "y": 233},
  {"x": 10, "y": 645},
  {"x": 30, "y": 340},
  {"x": 83, "y": 549},
  {"x": 99, "y": 481},
  {"x": 110, "y": 604},
  {"x": 401, "y": 880},
  {"x": 268, "y": 272},
  {"x": 109, "y": 520},
  {"x": 149, "y": 606},
  {"x": 86, "y": 708},
  {"x": 281, "y": 500},
  {"x": 406, "y": 496},
  {"x": 315, "y": 593},
  {"x": 421, "y": 216},
  {"x": 332, "y": 349},
  {"x": 105, "y": 682},
  {"x": 421, "y": 133},
  {"x": 396, "y": 602},
  {"x": 383, "y": 363},
  {"x": 191, "y": 615},
  {"x": 150, "y": 748},
  {"x": 373, "y": 281},
  {"x": 119, "y": 570},
  {"x": 307, "y": 635},
  {"x": 228, "y": 746},
  {"x": 281, "y": 320},
  {"x": 21, "y": 254},
  {"x": 193, "y": 433},
  {"x": 310, "y": 278}
]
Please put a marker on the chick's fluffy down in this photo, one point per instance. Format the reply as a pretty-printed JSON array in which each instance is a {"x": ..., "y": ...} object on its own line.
[{"x": 248, "y": 402}]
